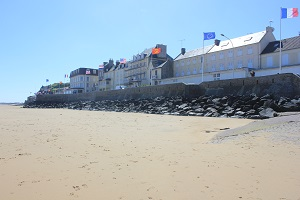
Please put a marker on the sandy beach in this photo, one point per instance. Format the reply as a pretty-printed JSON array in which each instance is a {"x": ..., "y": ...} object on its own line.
[{"x": 58, "y": 154}]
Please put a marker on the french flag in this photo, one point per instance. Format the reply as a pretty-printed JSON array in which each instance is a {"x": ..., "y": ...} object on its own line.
[{"x": 289, "y": 13}]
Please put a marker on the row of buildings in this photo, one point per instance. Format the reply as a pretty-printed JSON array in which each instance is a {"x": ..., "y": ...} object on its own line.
[{"x": 256, "y": 54}]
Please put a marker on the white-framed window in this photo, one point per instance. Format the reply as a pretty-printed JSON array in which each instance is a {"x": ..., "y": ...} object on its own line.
[
  {"x": 250, "y": 50},
  {"x": 194, "y": 61},
  {"x": 240, "y": 64},
  {"x": 213, "y": 57},
  {"x": 230, "y": 65},
  {"x": 182, "y": 73},
  {"x": 216, "y": 76},
  {"x": 177, "y": 74},
  {"x": 285, "y": 59},
  {"x": 213, "y": 68},
  {"x": 269, "y": 61},
  {"x": 188, "y": 62},
  {"x": 87, "y": 78},
  {"x": 221, "y": 56},
  {"x": 195, "y": 70},
  {"x": 182, "y": 63},
  {"x": 222, "y": 66},
  {"x": 240, "y": 52},
  {"x": 250, "y": 63},
  {"x": 230, "y": 53},
  {"x": 188, "y": 72}
]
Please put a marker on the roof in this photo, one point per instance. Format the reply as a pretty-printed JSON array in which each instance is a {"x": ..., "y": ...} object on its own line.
[
  {"x": 193, "y": 53},
  {"x": 248, "y": 39},
  {"x": 240, "y": 41},
  {"x": 84, "y": 71},
  {"x": 287, "y": 44}
]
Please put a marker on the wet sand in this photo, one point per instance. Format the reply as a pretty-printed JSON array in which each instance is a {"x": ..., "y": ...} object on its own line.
[{"x": 67, "y": 154}]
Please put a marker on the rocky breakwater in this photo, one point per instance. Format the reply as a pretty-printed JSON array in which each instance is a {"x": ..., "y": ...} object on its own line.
[{"x": 246, "y": 106}]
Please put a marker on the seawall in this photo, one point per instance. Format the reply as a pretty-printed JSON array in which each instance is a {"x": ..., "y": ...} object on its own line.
[{"x": 287, "y": 85}]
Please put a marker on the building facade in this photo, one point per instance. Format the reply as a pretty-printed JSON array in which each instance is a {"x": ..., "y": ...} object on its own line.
[
  {"x": 84, "y": 80},
  {"x": 253, "y": 54},
  {"x": 233, "y": 58},
  {"x": 290, "y": 57}
]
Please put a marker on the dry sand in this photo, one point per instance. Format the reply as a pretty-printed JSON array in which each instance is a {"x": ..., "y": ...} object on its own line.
[{"x": 58, "y": 154}]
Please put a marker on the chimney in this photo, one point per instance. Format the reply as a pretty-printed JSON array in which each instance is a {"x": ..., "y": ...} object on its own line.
[
  {"x": 269, "y": 29},
  {"x": 182, "y": 51}
]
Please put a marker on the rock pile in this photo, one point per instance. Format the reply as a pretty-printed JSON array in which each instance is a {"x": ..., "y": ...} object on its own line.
[{"x": 246, "y": 106}]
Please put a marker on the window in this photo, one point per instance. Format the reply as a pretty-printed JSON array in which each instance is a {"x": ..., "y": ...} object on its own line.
[
  {"x": 182, "y": 63},
  {"x": 221, "y": 55},
  {"x": 87, "y": 85},
  {"x": 250, "y": 50},
  {"x": 240, "y": 52},
  {"x": 240, "y": 64},
  {"x": 194, "y": 61},
  {"x": 230, "y": 65},
  {"x": 188, "y": 62},
  {"x": 222, "y": 66},
  {"x": 285, "y": 59},
  {"x": 195, "y": 71},
  {"x": 216, "y": 76},
  {"x": 250, "y": 63},
  {"x": 213, "y": 57},
  {"x": 213, "y": 68},
  {"x": 230, "y": 53},
  {"x": 182, "y": 73},
  {"x": 177, "y": 74},
  {"x": 87, "y": 79},
  {"x": 269, "y": 61},
  {"x": 188, "y": 72},
  {"x": 81, "y": 78}
]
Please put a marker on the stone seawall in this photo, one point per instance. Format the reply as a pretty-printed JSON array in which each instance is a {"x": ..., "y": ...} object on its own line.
[
  {"x": 170, "y": 90},
  {"x": 286, "y": 85}
]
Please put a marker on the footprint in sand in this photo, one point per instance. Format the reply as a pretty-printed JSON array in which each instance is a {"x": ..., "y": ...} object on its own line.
[{"x": 76, "y": 188}]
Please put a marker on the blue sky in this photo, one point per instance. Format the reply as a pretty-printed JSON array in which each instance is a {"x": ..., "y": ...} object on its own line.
[{"x": 46, "y": 39}]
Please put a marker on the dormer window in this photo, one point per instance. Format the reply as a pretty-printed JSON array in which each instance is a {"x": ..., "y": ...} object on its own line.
[{"x": 248, "y": 39}]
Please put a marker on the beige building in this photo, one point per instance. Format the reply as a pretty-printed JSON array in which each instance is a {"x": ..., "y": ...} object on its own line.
[
  {"x": 149, "y": 69},
  {"x": 290, "y": 57}
]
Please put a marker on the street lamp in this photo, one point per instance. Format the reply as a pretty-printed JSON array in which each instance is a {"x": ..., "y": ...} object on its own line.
[{"x": 232, "y": 54}]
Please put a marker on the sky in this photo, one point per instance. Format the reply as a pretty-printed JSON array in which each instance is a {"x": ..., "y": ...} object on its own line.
[{"x": 46, "y": 39}]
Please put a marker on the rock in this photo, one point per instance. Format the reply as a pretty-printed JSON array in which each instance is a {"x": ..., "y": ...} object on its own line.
[
  {"x": 268, "y": 113},
  {"x": 246, "y": 106}
]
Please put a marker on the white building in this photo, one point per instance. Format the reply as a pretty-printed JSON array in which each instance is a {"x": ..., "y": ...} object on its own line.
[
  {"x": 84, "y": 80},
  {"x": 233, "y": 58}
]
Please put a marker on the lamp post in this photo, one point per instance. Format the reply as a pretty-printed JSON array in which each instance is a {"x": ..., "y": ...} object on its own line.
[{"x": 232, "y": 54}]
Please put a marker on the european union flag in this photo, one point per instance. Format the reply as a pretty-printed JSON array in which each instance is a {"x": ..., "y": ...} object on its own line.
[{"x": 209, "y": 35}]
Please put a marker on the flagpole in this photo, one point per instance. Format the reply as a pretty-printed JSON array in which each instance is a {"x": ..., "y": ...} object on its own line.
[
  {"x": 202, "y": 59},
  {"x": 280, "y": 45}
]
